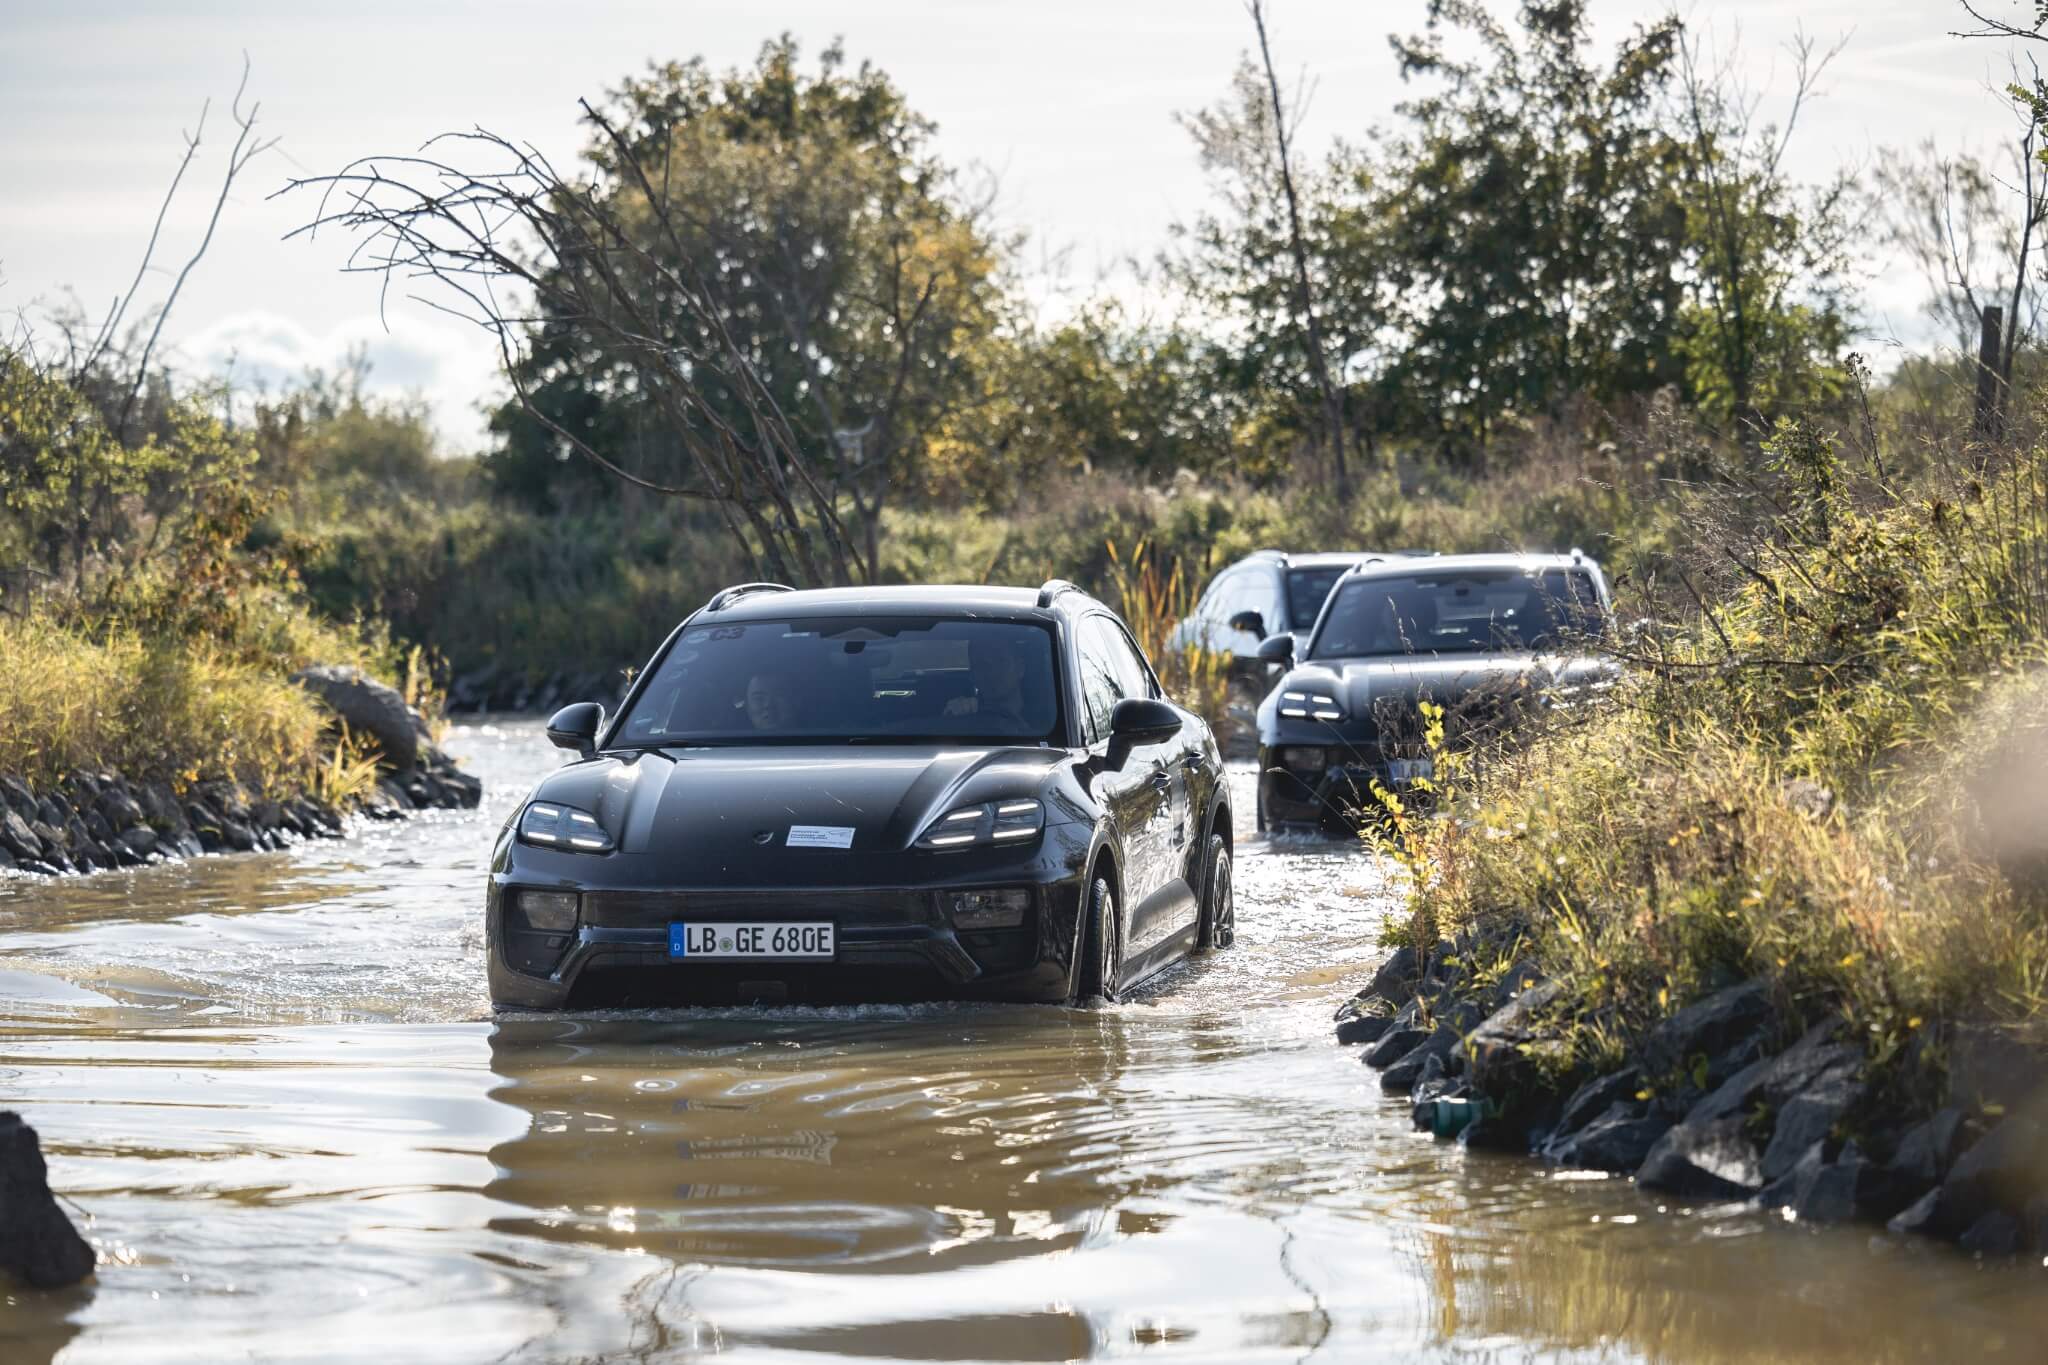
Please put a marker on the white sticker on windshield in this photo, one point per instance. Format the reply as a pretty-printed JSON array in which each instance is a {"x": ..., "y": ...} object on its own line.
[{"x": 821, "y": 836}]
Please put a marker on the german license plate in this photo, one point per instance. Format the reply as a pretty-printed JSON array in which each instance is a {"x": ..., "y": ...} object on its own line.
[
  {"x": 726, "y": 941},
  {"x": 1411, "y": 769}
]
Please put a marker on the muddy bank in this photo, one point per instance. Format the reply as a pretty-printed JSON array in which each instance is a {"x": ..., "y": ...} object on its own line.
[{"x": 1732, "y": 1098}]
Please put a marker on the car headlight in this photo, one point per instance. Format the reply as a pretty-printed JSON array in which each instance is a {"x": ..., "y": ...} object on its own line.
[
  {"x": 551, "y": 824},
  {"x": 1310, "y": 706},
  {"x": 1016, "y": 821}
]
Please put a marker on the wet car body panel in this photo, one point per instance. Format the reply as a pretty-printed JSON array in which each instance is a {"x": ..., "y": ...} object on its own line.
[{"x": 703, "y": 831}]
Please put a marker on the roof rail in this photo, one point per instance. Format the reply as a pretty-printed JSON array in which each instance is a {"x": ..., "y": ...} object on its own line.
[
  {"x": 1053, "y": 588},
  {"x": 725, "y": 597},
  {"x": 1260, "y": 554}
]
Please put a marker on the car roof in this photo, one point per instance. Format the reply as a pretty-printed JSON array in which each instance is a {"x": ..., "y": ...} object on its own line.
[
  {"x": 1492, "y": 560},
  {"x": 1312, "y": 559},
  {"x": 938, "y": 599}
]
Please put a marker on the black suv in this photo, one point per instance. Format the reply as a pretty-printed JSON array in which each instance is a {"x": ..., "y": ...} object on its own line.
[
  {"x": 1480, "y": 635},
  {"x": 869, "y": 793}
]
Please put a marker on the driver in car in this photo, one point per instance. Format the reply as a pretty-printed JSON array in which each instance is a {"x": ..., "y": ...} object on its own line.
[
  {"x": 998, "y": 669},
  {"x": 770, "y": 703}
]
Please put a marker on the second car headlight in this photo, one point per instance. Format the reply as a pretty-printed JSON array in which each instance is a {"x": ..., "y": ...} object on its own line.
[
  {"x": 1016, "y": 821},
  {"x": 1306, "y": 705},
  {"x": 551, "y": 824}
]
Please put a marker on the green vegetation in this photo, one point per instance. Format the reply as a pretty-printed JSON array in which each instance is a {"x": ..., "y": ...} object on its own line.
[
  {"x": 147, "y": 629},
  {"x": 1817, "y": 780}
]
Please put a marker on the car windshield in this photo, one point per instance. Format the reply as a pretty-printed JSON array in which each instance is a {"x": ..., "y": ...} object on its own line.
[
  {"x": 822, "y": 680},
  {"x": 1462, "y": 612},
  {"x": 1306, "y": 589}
]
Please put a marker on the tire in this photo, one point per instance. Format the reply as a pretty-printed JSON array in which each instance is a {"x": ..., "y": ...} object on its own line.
[
  {"x": 1102, "y": 947},
  {"x": 1219, "y": 897}
]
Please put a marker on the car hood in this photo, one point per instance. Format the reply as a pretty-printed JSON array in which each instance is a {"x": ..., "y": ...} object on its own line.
[
  {"x": 1362, "y": 685},
  {"x": 728, "y": 807}
]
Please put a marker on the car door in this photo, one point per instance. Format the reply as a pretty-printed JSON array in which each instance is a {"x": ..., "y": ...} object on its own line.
[
  {"x": 1168, "y": 905},
  {"x": 1132, "y": 785}
]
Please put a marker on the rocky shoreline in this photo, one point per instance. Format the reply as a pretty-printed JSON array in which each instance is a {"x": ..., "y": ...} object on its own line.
[
  {"x": 92, "y": 821},
  {"x": 1726, "y": 1099}
]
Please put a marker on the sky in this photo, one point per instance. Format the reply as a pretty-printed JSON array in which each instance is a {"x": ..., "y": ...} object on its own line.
[{"x": 1071, "y": 103}]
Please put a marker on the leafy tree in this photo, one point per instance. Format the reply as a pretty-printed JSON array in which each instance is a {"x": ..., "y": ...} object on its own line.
[
  {"x": 1532, "y": 218},
  {"x": 837, "y": 260}
]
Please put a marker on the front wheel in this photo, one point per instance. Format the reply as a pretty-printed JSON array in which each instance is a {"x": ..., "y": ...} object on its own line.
[
  {"x": 1219, "y": 902},
  {"x": 1102, "y": 947}
]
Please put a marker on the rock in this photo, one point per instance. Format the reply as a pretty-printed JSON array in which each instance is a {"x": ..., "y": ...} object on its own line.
[
  {"x": 18, "y": 796},
  {"x": 1595, "y": 1098},
  {"x": 7, "y": 863},
  {"x": 2034, "y": 1222},
  {"x": 1394, "y": 982},
  {"x": 237, "y": 836},
  {"x": 1401, "y": 1076},
  {"x": 1364, "y": 1028},
  {"x": 1997, "y": 1233},
  {"x": 37, "y": 1242},
  {"x": 1525, "y": 975},
  {"x": 2006, "y": 1170},
  {"x": 188, "y": 845},
  {"x": 1822, "y": 1191},
  {"x": 1712, "y": 1160},
  {"x": 53, "y": 812},
  {"x": 1706, "y": 1028},
  {"x": 1811, "y": 1115},
  {"x": 266, "y": 814},
  {"x": 140, "y": 841},
  {"x": 1918, "y": 1217},
  {"x": 17, "y": 838},
  {"x": 394, "y": 795},
  {"x": 1618, "y": 1140},
  {"x": 368, "y": 708},
  {"x": 160, "y": 805},
  {"x": 54, "y": 840},
  {"x": 119, "y": 809},
  {"x": 1498, "y": 1049},
  {"x": 1989, "y": 1069}
]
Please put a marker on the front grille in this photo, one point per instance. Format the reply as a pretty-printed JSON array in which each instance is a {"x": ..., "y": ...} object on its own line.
[{"x": 656, "y": 909}]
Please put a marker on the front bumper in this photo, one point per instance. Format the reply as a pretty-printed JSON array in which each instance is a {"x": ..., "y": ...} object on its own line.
[
  {"x": 1336, "y": 796},
  {"x": 891, "y": 942}
]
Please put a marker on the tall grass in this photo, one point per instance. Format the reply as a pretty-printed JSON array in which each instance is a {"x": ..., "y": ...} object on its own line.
[
  {"x": 1154, "y": 598},
  {"x": 170, "y": 710}
]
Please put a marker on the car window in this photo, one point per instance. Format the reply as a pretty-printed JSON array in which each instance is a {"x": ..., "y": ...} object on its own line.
[
  {"x": 1220, "y": 603},
  {"x": 1458, "y": 612},
  {"x": 816, "y": 680},
  {"x": 1306, "y": 591},
  {"x": 1134, "y": 679},
  {"x": 1101, "y": 688}
]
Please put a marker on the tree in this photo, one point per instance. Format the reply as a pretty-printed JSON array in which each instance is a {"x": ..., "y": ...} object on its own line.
[
  {"x": 1267, "y": 265},
  {"x": 1768, "y": 317},
  {"x": 1532, "y": 217},
  {"x": 763, "y": 291}
]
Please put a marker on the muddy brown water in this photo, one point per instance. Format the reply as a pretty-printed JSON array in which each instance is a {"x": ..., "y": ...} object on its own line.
[{"x": 274, "y": 1092}]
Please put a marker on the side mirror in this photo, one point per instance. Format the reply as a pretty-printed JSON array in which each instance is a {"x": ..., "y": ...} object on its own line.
[
  {"x": 576, "y": 726},
  {"x": 1142, "y": 720},
  {"x": 1278, "y": 649},
  {"x": 1250, "y": 621}
]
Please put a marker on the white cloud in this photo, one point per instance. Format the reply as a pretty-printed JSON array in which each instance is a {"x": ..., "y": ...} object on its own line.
[{"x": 451, "y": 367}]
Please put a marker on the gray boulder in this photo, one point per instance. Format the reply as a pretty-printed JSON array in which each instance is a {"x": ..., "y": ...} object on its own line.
[
  {"x": 1928, "y": 1149},
  {"x": 1707, "y": 1028},
  {"x": 2005, "y": 1171},
  {"x": 1711, "y": 1160},
  {"x": 369, "y": 709},
  {"x": 38, "y": 1245},
  {"x": 1395, "y": 1044},
  {"x": 1620, "y": 1139}
]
